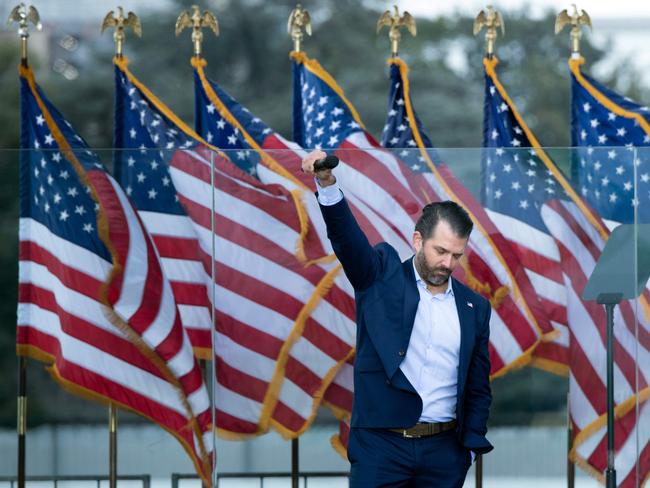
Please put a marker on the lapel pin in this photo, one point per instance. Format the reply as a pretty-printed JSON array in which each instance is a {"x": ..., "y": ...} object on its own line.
[{"x": 470, "y": 304}]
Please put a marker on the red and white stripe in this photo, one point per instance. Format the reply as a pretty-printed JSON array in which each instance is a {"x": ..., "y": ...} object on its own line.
[
  {"x": 540, "y": 258},
  {"x": 580, "y": 245},
  {"x": 263, "y": 292},
  {"x": 177, "y": 246},
  {"x": 632, "y": 446}
]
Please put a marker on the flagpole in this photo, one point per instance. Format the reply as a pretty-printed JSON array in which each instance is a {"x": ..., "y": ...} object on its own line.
[
  {"x": 492, "y": 21},
  {"x": 22, "y": 419},
  {"x": 23, "y": 15},
  {"x": 112, "y": 446},
  {"x": 299, "y": 19},
  {"x": 610, "y": 300},
  {"x": 295, "y": 466},
  {"x": 119, "y": 23},
  {"x": 197, "y": 21},
  {"x": 570, "y": 467}
]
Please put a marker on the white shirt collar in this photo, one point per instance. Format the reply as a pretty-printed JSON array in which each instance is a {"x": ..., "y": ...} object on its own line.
[{"x": 420, "y": 282}]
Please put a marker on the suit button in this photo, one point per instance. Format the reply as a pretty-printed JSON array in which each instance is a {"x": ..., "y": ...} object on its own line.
[
  {"x": 402, "y": 352},
  {"x": 388, "y": 382}
]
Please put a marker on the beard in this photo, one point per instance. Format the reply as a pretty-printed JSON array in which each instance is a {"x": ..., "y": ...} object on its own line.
[{"x": 433, "y": 275}]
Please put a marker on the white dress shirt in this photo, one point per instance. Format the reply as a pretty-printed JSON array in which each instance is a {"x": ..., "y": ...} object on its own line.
[{"x": 431, "y": 362}]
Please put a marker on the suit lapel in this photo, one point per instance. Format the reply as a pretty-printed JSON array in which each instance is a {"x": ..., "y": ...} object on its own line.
[{"x": 466, "y": 317}]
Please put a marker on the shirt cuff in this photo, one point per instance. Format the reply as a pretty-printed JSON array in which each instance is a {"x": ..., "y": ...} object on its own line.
[
  {"x": 330, "y": 195},
  {"x": 473, "y": 456}
]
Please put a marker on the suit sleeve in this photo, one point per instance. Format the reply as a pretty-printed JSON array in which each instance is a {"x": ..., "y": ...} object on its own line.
[
  {"x": 359, "y": 259},
  {"x": 478, "y": 394}
]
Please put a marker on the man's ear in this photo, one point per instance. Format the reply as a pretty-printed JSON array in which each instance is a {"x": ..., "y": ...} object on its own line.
[{"x": 417, "y": 241}]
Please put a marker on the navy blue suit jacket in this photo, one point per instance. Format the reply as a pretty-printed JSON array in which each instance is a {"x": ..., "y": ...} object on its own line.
[{"x": 386, "y": 303}]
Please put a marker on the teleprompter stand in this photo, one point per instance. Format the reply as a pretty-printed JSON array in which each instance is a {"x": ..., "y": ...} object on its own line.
[{"x": 621, "y": 273}]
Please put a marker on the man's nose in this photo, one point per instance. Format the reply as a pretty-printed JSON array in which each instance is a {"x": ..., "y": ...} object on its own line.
[{"x": 447, "y": 260}]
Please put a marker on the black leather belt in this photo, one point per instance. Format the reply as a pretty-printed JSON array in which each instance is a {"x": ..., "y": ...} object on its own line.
[{"x": 422, "y": 429}]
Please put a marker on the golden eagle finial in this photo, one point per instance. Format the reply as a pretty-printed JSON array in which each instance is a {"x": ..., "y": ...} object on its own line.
[
  {"x": 492, "y": 20},
  {"x": 197, "y": 21},
  {"x": 23, "y": 15},
  {"x": 575, "y": 21},
  {"x": 120, "y": 23},
  {"x": 394, "y": 22},
  {"x": 298, "y": 19}
]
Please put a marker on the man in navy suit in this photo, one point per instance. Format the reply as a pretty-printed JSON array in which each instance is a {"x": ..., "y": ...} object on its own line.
[{"x": 421, "y": 374}]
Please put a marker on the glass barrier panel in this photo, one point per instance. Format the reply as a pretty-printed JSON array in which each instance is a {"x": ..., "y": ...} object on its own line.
[{"x": 242, "y": 229}]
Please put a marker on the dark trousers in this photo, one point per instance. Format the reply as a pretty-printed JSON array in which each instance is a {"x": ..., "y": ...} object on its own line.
[{"x": 380, "y": 458}]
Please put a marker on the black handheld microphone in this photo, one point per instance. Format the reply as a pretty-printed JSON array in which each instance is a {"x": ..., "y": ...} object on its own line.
[{"x": 328, "y": 162}]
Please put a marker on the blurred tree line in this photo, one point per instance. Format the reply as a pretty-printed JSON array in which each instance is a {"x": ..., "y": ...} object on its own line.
[{"x": 250, "y": 60}]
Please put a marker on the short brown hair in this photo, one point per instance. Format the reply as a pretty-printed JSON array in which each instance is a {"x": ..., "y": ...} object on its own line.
[{"x": 452, "y": 213}]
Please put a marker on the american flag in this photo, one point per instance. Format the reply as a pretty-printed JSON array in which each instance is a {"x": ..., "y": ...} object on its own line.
[
  {"x": 264, "y": 295},
  {"x": 516, "y": 180},
  {"x": 93, "y": 302},
  {"x": 560, "y": 239},
  {"x": 227, "y": 124},
  {"x": 612, "y": 134}
]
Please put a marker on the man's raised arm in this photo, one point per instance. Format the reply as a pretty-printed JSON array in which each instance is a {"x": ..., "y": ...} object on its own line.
[{"x": 360, "y": 261}]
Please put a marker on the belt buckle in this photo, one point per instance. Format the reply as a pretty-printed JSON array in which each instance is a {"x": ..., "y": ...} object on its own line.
[{"x": 409, "y": 436}]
